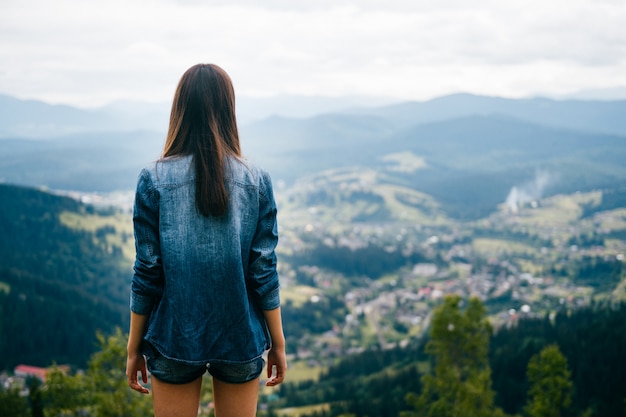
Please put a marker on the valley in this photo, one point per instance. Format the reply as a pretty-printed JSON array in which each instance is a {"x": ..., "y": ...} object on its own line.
[{"x": 382, "y": 214}]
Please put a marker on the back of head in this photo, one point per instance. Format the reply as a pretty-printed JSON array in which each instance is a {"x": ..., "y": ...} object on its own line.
[
  {"x": 204, "y": 103},
  {"x": 203, "y": 124}
]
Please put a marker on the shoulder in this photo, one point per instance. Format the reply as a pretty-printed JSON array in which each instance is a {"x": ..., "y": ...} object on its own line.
[
  {"x": 168, "y": 171},
  {"x": 245, "y": 172}
]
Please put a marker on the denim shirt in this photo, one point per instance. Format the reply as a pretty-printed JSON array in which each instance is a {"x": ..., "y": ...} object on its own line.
[{"x": 205, "y": 281}]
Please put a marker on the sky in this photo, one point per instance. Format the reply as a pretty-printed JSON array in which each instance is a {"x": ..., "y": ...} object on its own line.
[{"x": 91, "y": 53}]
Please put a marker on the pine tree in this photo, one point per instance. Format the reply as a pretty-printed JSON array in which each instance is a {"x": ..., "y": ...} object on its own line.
[
  {"x": 460, "y": 385},
  {"x": 550, "y": 383}
]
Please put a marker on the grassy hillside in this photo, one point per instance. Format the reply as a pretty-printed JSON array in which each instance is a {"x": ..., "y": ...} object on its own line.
[{"x": 355, "y": 196}]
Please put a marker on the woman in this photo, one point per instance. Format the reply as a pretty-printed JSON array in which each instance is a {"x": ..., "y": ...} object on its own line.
[{"x": 205, "y": 292}]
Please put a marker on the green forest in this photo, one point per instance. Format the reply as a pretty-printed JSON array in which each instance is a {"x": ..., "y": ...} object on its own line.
[
  {"x": 58, "y": 285},
  {"x": 571, "y": 365},
  {"x": 463, "y": 352}
]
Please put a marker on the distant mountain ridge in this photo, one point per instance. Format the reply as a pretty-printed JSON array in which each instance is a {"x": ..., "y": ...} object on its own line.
[
  {"x": 31, "y": 118},
  {"x": 37, "y": 119},
  {"x": 588, "y": 115},
  {"x": 40, "y": 120}
]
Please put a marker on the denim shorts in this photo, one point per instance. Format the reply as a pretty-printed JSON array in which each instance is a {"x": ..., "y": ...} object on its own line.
[{"x": 174, "y": 372}]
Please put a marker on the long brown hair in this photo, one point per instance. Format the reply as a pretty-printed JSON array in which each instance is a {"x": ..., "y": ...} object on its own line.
[{"x": 203, "y": 124}]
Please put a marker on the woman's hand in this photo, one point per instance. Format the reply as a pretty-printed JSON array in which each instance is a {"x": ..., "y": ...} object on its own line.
[
  {"x": 276, "y": 361},
  {"x": 136, "y": 363},
  {"x": 276, "y": 357}
]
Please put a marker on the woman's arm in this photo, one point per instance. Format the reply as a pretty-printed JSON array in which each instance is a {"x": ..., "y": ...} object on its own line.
[
  {"x": 263, "y": 279},
  {"x": 276, "y": 357},
  {"x": 135, "y": 362},
  {"x": 147, "y": 282}
]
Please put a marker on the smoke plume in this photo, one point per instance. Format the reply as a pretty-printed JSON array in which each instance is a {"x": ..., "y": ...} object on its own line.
[{"x": 530, "y": 191}]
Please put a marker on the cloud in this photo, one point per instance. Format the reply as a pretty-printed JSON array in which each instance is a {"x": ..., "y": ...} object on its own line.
[{"x": 405, "y": 49}]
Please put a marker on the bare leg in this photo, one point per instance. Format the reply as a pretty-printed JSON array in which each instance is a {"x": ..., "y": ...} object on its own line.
[
  {"x": 235, "y": 400},
  {"x": 176, "y": 400}
]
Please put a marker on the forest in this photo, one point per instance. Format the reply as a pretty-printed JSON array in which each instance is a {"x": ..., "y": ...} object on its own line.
[
  {"x": 570, "y": 365},
  {"x": 58, "y": 285},
  {"x": 376, "y": 382}
]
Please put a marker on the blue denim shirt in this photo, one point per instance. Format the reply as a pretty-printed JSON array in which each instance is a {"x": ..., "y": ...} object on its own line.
[{"x": 205, "y": 281}]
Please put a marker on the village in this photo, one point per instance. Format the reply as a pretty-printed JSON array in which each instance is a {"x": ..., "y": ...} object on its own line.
[{"x": 515, "y": 262}]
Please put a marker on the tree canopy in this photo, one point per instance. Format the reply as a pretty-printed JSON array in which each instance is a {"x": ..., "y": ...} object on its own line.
[{"x": 460, "y": 384}]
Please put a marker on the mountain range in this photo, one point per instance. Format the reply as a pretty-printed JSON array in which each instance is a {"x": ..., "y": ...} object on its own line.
[{"x": 467, "y": 151}]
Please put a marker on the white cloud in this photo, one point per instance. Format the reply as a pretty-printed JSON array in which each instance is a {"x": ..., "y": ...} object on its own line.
[{"x": 70, "y": 51}]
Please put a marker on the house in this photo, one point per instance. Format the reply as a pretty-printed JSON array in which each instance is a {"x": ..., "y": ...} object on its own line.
[{"x": 25, "y": 371}]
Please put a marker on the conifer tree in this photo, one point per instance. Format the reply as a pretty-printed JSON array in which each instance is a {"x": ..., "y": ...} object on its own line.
[
  {"x": 550, "y": 383},
  {"x": 460, "y": 384}
]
